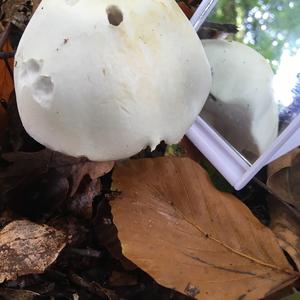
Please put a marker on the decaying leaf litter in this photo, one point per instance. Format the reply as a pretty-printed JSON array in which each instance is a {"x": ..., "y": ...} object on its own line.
[{"x": 60, "y": 239}]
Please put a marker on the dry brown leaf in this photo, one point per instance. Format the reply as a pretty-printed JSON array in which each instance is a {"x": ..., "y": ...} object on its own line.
[
  {"x": 9, "y": 294},
  {"x": 27, "y": 164},
  {"x": 6, "y": 82},
  {"x": 23, "y": 168},
  {"x": 18, "y": 12},
  {"x": 286, "y": 182},
  {"x": 81, "y": 205},
  {"x": 78, "y": 234},
  {"x": 122, "y": 279},
  {"x": 28, "y": 248},
  {"x": 188, "y": 236},
  {"x": 282, "y": 162},
  {"x": 286, "y": 228},
  {"x": 78, "y": 168},
  {"x": 41, "y": 198},
  {"x": 6, "y": 88}
]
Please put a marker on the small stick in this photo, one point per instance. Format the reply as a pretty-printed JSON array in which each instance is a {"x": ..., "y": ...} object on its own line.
[
  {"x": 85, "y": 252},
  {"x": 93, "y": 287}
]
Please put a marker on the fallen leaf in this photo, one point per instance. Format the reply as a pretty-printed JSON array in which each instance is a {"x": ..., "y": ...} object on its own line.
[
  {"x": 41, "y": 198},
  {"x": 81, "y": 205},
  {"x": 28, "y": 248},
  {"x": 8, "y": 294},
  {"x": 282, "y": 162},
  {"x": 122, "y": 279},
  {"x": 25, "y": 165},
  {"x": 78, "y": 234},
  {"x": 78, "y": 168},
  {"x": 286, "y": 227},
  {"x": 23, "y": 168},
  {"x": 6, "y": 82},
  {"x": 6, "y": 88},
  {"x": 295, "y": 180},
  {"x": 190, "y": 237},
  {"x": 18, "y": 12},
  {"x": 286, "y": 182}
]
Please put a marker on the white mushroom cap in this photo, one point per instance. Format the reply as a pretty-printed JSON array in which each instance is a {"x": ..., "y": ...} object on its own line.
[
  {"x": 104, "y": 79},
  {"x": 243, "y": 109}
]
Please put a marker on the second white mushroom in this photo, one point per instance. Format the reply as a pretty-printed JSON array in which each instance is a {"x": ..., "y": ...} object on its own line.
[{"x": 241, "y": 106}]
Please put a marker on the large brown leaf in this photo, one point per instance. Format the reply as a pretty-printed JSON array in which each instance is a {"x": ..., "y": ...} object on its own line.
[
  {"x": 28, "y": 248},
  {"x": 188, "y": 236}
]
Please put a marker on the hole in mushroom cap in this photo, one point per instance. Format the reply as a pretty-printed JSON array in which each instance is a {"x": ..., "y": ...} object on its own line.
[
  {"x": 114, "y": 15},
  {"x": 30, "y": 70},
  {"x": 42, "y": 91}
]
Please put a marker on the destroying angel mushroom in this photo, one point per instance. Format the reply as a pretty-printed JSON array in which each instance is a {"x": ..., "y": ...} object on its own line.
[
  {"x": 241, "y": 105},
  {"x": 104, "y": 79}
]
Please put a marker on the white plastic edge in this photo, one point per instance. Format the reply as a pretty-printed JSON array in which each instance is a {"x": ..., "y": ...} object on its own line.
[
  {"x": 202, "y": 12},
  {"x": 226, "y": 160},
  {"x": 285, "y": 142},
  {"x": 223, "y": 156}
]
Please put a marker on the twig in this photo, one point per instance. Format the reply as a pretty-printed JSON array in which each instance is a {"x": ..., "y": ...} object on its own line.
[
  {"x": 93, "y": 287},
  {"x": 85, "y": 252}
]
